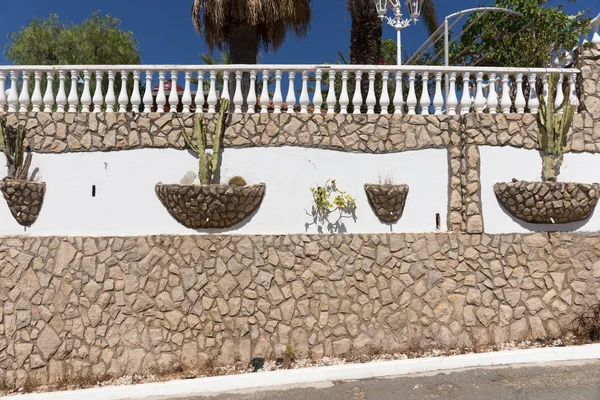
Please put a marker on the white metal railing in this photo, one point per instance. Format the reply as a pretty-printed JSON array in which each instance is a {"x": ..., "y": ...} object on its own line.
[{"x": 274, "y": 88}]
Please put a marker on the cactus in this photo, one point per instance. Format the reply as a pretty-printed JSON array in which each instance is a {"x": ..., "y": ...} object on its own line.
[
  {"x": 237, "y": 181},
  {"x": 553, "y": 129},
  {"x": 208, "y": 162},
  {"x": 12, "y": 144}
]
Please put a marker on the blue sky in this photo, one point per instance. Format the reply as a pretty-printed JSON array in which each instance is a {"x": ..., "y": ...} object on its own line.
[{"x": 166, "y": 35}]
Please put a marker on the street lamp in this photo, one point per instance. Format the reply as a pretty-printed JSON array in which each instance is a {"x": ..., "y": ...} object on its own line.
[{"x": 414, "y": 9}]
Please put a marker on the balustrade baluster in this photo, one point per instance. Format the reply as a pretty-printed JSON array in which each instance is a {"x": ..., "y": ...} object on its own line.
[
  {"x": 13, "y": 94},
  {"x": 61, "y": 96},
  {"x": 291, "y": 94},
  {"x": 110, "y": 93},
  {"x": 371, "y": 100},
  {"x": 73, "y": 98},
  {"x": 398, "y": 95},
  {"x": 384, "y": 99},
  {"x": 36, "y": 98},
  {"x": 533, "y": 102},
  {"x": 49, "y": 93},
  {"x": 225, "y": 94},
  {"x": 505, "y": 101},
  {"x": 24, "y": 98},
  {"x": 560, "y": 97},
  {"x": 545, "y": 87},
  {"x": 480, "y": 102},
  {"x": 344, "y": 98},
  {"x": 251, "y": 99},
  {"x": 318, "y": 95},
  {"x": 357, "y": 98},
  {"x": 199, "y": 99},
  {"x": 86, "y": 96},
  {"x": 331, "y": 99},
  {"x": 136, "y": 99},
  {"x": 595, "y": 31},
  {"x": 123, "y": 98},
  {"x": 277, "y": 96},
  {"x": 411, "y": 99},
  {"x": 492, "y": 98},
  {"x": 425, "y": 100},
  {"x": 452, "y": 100},
  {"x": 98, "y": 98},
  {"x": 264, "y": 94},
  {"x": 212, "y": 92},
  {"x": 2, "y": 91},
  {"x": 465, "y": 100},
  {"x": 173, "y": 95},
  {"x": 438, "y": 98},
  {"x": 573, "y": 91},
  {"x": 520, "y": 98},
  {"x": 186, "y": 99},
  {"x": 304, "y": 99},
  {"x": 161, "y": 97},
  {"x": 238, "y": 100},
  {"x": 148, "y": 98}
]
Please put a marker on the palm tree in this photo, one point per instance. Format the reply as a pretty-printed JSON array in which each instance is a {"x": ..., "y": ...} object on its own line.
[{"x": 242, "y": 26}]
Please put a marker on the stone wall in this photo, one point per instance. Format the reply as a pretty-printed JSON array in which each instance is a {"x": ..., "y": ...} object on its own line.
[
  {"x": 588, "y": 61},
  {"x": 115, "y": 305}
]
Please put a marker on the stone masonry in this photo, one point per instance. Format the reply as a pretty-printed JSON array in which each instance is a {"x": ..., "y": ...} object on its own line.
[
  {"x": 588, "y": 61},
  {"x": 122, "y": 305}
]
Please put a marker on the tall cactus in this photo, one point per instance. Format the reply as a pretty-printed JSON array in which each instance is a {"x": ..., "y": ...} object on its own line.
[
  {"x": 553, "y": 129},
  {"x": 208, "y": 162},
  {"x": 12, "y": 144}
]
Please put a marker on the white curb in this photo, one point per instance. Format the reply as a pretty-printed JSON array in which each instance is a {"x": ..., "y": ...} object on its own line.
[{"x": 205, "y": 386}]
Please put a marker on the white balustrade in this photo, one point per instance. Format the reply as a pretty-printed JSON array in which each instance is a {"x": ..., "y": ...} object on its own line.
[
  {"x": 438, "y": 98},
  {"x": 199, "y": 98},
  {"x": 398, "y": 96},
  {"x": 123, "y": 98},
  {"x": 357, "y": 98},
  {"x": 304, "y": 94},
  {"x": 2, "y": 91},
  {"x": 251, "y": 100},
  {"x": 483, "y": 89},
  {"x": 318, "y": 95},
  {"x": 264, "y": 95},
  {"x": 425, "y": 100},
  {"x": 384, "y": 101},
  {"x": 24, "y": 98},
  {"x": 452, "y": 100},
  {"x": 290, "y": 99},
  {"x": 36, "y": 98}
]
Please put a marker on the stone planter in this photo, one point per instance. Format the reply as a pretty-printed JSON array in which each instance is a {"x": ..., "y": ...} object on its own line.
[
  {"x": 387, "y": 201},
  {"x": 24, "y": 199},
  {"x": 210, "y": 206},
  {"x": 548, "y": 202}
]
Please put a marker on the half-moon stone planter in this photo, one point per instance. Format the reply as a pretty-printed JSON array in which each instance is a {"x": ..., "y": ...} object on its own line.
[
  {"x": 210, "y": 206},
  {"x": 548, "y": 202},
  {"x": 387, "y": 201},
  {"x": 24, "y": 199}
]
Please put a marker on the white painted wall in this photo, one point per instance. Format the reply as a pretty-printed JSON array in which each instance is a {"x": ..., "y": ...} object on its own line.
[
  {"x": 501, "y": 164},
  {"x": 125, "y": 202}
]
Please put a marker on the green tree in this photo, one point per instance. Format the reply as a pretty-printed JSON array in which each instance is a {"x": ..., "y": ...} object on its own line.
[
  {"x": 97, "y": 40},
  {"x": 498, "y": 39}
]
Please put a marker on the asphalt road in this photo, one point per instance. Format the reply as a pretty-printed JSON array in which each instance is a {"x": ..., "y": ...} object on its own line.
[{"x": 556, "y": 381}]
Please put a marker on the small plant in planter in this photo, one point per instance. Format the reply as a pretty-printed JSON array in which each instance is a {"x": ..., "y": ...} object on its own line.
[
  {"x": 550, "y": 201},
  {"x": 327, "y": 200},
  {"x": 210, "y": 205},
  {"x": 23, "y": 195},
  {"x": 288, "y": 357},
  {"x": 387, "y": 199}
]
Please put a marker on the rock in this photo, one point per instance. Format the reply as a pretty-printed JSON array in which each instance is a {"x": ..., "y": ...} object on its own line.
[{"x": 48, "y": 342}]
